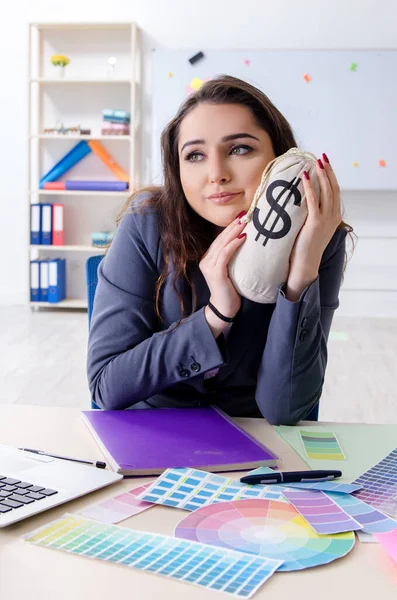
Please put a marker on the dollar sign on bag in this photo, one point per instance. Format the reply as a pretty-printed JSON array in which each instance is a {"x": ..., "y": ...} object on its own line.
[{"x": 292, "y": 188}]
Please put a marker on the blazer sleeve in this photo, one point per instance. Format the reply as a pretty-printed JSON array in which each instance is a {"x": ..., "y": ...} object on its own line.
[
  {"x": 129, "y": 359},
  {"x": 292, "y": 370}
]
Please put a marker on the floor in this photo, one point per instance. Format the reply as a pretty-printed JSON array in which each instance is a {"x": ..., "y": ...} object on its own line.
[{"x": 42, "y": 361}]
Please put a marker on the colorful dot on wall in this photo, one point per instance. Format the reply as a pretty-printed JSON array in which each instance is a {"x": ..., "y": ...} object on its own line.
[
  {"x": 247, "y": 62},
  {"x": 355, "y": 165},
  {"x": 353, "y": 67},
  {"x": 382, "y": 163},
  {"x": 307, "y": 77},
  {"x": 196, "y": 83},
  {"x": 170, "y": 74}
]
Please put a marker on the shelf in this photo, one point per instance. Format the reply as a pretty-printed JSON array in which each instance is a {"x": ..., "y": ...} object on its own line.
[
  {"x": 67, "y": 248},
  {"x": 77, "y": 193},
  {"x": 71, "y": 303},
  {"x": 81, "y": 137},
  {"x": 77, "y": 96},
  {"x": 77, "y": 26},
  {"x": 71, "y": 81}
]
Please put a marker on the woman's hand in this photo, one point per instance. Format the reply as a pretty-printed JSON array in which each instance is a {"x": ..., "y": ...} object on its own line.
[
  {"x": 323, "y": 218},
  {"x": 214, "y": 267}
]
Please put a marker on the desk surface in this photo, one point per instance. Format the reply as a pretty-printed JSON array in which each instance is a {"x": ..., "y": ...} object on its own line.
[{"x": 28, "y": 571}]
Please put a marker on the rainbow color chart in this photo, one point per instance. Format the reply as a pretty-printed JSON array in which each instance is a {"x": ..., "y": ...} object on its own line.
[
  {"x": 264, "y": 528},
  {"x": 218, "y": 569}
]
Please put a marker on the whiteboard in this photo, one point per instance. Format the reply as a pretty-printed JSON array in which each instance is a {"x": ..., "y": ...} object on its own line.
[{"x": 351, "y": 115}]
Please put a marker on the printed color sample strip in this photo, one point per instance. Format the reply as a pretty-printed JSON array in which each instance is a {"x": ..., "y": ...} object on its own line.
[
  {"x": 379, "y": 485},
  {"x": 190, "y": 489},
  {"x": 371, "y": 520},
  {"x": 321, "y": 445},
  {"x": 324, "y": 515},
  {"x": 212, "y": 568},
  {"x": 118, "y": 508},
  {"x": 389, "y": 542}
]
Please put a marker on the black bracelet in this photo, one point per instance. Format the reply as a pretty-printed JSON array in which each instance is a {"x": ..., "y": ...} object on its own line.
[{"x": 220, "y": 315}]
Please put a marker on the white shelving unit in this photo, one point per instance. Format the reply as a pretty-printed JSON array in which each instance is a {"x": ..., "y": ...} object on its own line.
[{"x": 77, "y": 98}]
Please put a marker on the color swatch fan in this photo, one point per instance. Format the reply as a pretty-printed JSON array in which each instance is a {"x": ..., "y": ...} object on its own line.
[{"x": 264, "y": 528}]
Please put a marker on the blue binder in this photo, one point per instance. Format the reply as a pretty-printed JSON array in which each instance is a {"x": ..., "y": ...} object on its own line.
[
  {"x": 35, "y": 223},
  {"x": 34, "y": 280},
  {"x": 46, "y": 224},
  {"x": 43, "y": 294},
  {"x": 56, "y": 280}
]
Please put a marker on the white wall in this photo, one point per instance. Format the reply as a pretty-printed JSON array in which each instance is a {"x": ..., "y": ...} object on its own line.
[{"x": 308, "y": 24}]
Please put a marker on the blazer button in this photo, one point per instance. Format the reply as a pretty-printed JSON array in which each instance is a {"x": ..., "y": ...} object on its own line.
[
  {"x": 303, "y": 334},
  {"x": 183, "y": 372},
  {"x": 195, "y": 366},
  {"x": 304, "y": 322}
]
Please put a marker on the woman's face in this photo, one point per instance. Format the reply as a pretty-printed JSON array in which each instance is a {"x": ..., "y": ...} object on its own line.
[{"x": 222, "y": 155}]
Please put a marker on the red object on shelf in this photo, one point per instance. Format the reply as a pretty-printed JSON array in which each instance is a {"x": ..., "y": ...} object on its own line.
[
  {"x": 57, "y": 225},
  {"x": 54, "y": 185}
]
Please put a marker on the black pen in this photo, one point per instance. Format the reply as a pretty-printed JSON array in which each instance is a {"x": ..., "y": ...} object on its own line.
[
  {"x": 99, "y": 464},
  {"x": 290, "y": 477}
]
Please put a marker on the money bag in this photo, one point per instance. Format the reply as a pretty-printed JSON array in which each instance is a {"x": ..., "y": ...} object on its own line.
[{"x": 277, "y": 213}]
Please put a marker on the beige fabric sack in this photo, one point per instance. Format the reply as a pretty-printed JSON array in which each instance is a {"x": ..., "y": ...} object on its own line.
[{"x": 261, "y": 264}]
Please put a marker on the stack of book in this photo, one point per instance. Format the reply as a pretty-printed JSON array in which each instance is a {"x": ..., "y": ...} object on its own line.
[{"x": 115, "y": 122}]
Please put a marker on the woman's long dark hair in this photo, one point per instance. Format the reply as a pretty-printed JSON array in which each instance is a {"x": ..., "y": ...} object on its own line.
[{"x": 185, "y": 235}]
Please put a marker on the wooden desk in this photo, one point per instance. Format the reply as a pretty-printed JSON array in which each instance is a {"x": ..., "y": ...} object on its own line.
[{"x": 28, "y": 571}]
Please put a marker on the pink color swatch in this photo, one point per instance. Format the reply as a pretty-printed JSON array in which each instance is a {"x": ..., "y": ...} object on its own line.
[
  {"x": 119, "y": 507},
  {"x": 389, "y": 542}
]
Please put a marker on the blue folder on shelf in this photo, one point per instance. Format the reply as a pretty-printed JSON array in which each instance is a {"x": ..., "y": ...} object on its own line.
[
  {"x": 43, "y": 294},
  {"x": 35, "y": 223},
  {"x": 34, "y": 280},
  {"x": 46, "y": 224},
  {"x": 56, "y": 280}
]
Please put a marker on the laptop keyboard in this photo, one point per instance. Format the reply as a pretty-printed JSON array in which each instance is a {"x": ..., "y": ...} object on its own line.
[{"x": 15, "y": 493}]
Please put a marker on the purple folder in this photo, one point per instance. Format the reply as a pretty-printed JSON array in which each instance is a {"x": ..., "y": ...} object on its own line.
[
  {"x": 97, "y": 186},
  {"x": 146, "y": 442}
]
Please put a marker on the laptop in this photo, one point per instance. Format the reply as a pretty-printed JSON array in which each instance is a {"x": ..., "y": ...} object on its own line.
[{"x": 32, "y": 483}]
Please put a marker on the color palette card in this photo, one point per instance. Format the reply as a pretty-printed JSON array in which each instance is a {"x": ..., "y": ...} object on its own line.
[
  {"x": 264, "y": 528},
  {"x": 324, "y": 515},
  {"x": 379, "y": 485},
  {"x": 118, "y": 508},
  {"x": 325, "y": 486},
  {"x": 213, "y": 568},
  {"x": 371, "y": 519},
  {"x": 190, "y": 489},
  {"x": 322, "y": 445},
  {"x": 389, "y": 542}
]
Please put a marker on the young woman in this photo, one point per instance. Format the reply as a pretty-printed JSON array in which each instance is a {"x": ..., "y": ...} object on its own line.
[{"x": 168, "y": 327}]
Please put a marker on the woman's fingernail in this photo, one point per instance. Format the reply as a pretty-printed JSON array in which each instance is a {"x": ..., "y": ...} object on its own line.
[
  {"x": 320, "y": 164},
  {"x": 306, "y": 174},
  {"x": 325, "y": 157},
  {"x": 242, "y": 235},
  {"x": 241, "y": 214}
]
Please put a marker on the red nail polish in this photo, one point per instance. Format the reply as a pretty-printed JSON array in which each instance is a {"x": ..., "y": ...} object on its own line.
[
  {"x": 320, "y": 164},
  {"x": 325, "y": 157},
  {"x": 241, "y": 214},
  {"x": 306, "y": 174},
  {"x": 242, "y": 235}
]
